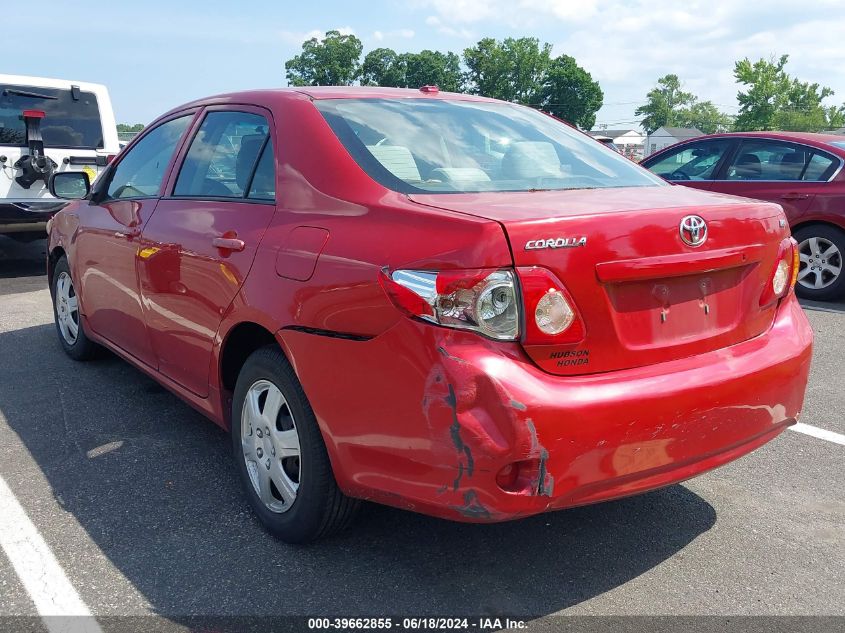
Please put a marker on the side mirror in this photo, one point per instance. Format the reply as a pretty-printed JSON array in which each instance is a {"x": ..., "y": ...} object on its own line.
[{"x": 70, "y": 185}]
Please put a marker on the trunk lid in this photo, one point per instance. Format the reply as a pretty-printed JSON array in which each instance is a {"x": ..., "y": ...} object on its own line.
[{"x": 644, "y": 294}]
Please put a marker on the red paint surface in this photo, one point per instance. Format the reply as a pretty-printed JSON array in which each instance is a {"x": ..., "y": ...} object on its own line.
[{"x": 424, "y": 417}]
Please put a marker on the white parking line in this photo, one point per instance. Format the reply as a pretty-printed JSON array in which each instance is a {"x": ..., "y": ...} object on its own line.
[
  {"x": 830, "y": 436},
  {"x": 55, "y": 599}
]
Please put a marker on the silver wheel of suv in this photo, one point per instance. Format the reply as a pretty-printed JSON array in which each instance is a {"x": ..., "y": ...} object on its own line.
[
  {"x": 821, "y": 263},
  {"x": 67, "y": 309},
  {"x": 270, "y": 443}
]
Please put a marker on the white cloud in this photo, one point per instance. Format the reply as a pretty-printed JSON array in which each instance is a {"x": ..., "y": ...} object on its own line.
[
  {"x": 437, "y": 23},
  {"x": 628, "y": 44},
  {"x": 405, "y": 34},
  {"x": 298, "y": 37}
]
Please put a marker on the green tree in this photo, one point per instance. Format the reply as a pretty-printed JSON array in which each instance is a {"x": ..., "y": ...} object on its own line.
[
  {"x": 127, "y": 128},
  {"x": 512, "y": 70},
  {"x": 433, "y": 68},
  {"x": 332, "y": 61},
  {"x": 386, "y": 67},
  {"x": 767, "y": 86},
  {"x": 570, "y": 93},
  {"x": 704, "y": 116},
  {"x": 773, "y": 100},
  {"x": 663, "y": 103},
  {"x": 383, "y": 67},
  {"x": 836, "y": 117}
]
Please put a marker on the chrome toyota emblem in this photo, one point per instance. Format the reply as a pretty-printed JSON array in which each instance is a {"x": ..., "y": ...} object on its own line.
[{"x": 693, "y": 230}]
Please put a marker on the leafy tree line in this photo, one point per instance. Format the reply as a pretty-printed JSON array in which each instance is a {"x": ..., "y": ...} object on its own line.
[
  {"x": 770, "y": 99},
  {"x": 514, "y": 69},
  {"x": 127, "y": 128}
]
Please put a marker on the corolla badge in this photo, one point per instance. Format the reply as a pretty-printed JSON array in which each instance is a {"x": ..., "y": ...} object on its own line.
[
  {"x": 556, "y": 242},
  {"x": 693, "y": 230}
]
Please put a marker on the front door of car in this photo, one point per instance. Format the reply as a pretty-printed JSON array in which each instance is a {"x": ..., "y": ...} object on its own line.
[
  {"x": 776, "y": 171},
  {"x": 199, "y": 245},
  {"x": 693, "y": 164},
  {"x": 106, "y": 246}
]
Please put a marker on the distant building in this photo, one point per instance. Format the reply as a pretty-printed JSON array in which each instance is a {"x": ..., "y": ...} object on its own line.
[
  {"x": 629, "y": 141},
  {"x": 666, "y": 136}
]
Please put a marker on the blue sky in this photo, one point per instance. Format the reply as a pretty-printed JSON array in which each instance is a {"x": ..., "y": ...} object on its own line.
[{"x": 154, "y": 54}]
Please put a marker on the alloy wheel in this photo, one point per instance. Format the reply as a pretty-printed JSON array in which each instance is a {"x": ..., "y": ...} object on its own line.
[
  {"x": 270, "y": 443},
  {"x": 821, "y": 263},
  {"x": 67, "y": 309}
]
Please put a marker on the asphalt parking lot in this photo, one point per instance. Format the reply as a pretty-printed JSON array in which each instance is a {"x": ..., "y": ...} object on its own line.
[{"x": 134, "y": 494}]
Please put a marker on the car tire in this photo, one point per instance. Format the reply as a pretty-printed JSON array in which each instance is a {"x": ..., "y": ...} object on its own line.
[
  {"x": 822, "y": 250},
  {"x": 69, "y": 325},
  {"x": 280, "y": 454}
]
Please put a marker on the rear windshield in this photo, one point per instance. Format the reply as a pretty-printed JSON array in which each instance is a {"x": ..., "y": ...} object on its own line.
[
  {"x": 441, "y": 146},
  {"x": 72, "y": 118}
]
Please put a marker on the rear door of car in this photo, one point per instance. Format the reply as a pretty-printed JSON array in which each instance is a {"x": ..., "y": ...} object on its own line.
[
  {"x": 198, "y": 247},
  {"x": 693, "y": 164},
  {"x": 777, "y": 171}
]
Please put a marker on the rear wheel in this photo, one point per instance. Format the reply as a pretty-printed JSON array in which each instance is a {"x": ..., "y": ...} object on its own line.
[
  {"x": 69, "y": 325},
  {"x": 820, "y": 274},
  {"x": 280, "y": 454}
]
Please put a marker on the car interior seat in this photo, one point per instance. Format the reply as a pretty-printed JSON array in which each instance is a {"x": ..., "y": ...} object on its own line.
[
  {"x": 791, "y": 165},
  {"x": 748, "y": 167},
  {"x": 396, "y": 159},
  {"x": 530, "y": 159}
]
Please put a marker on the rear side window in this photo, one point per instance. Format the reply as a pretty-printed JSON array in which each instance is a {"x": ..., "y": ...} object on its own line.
[
  {"x": 779, "y": 161},
  {"x": 71, "y": 117},
  {"x": 695, "y": 161},
  {"x": 223, "y": 156},
  {"x": 140, "y": 172},
  {"x": 820, "y": 167}
]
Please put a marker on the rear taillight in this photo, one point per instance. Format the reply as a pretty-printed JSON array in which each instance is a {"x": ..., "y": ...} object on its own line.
[
  {"x": 785, "y": 274},
  {"x": 484, "y": 301},
  {"x": 551, "y": 317},
  {"x": 796, "y": 263},
  {"x": 489, "y": 302}
]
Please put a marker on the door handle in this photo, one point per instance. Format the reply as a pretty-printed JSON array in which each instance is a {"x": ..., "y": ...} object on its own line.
[
  {"x": 795, "y": 196},
  {"x": 228, "y": 243}
]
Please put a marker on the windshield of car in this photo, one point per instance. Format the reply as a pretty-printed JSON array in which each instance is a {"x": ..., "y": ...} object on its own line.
[
  {"x": 71, "y": 118},
  {"x": 442, "y": 146},
  {"x": 839, "y": 144}
]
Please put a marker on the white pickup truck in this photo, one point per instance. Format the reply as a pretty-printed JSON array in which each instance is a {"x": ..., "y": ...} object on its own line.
[{"x": 47, "y": 126}]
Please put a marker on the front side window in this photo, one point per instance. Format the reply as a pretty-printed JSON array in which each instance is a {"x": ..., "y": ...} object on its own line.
[
  {"x": 694, "y": 161},
  {"x": 223, "y": 156},
  {"x": 140, "y": 172},
  {"x": 443, "y": 146},
  {"x": 71, "y": 117}
]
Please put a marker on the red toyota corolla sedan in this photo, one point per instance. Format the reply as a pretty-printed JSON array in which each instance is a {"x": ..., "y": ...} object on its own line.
[
  {"x": 800, "y": 171},
  {"x": 439, "y": 302}
]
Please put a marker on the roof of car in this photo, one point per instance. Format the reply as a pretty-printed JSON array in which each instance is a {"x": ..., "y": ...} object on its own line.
[
  {"x": 267, "y": 96},
  {"x": 818, "y": 137},
  {"x": 377, "y": 92}
]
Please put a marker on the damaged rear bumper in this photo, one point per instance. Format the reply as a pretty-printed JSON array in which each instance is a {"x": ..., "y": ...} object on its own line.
[{"x": 425, "y": 418}]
